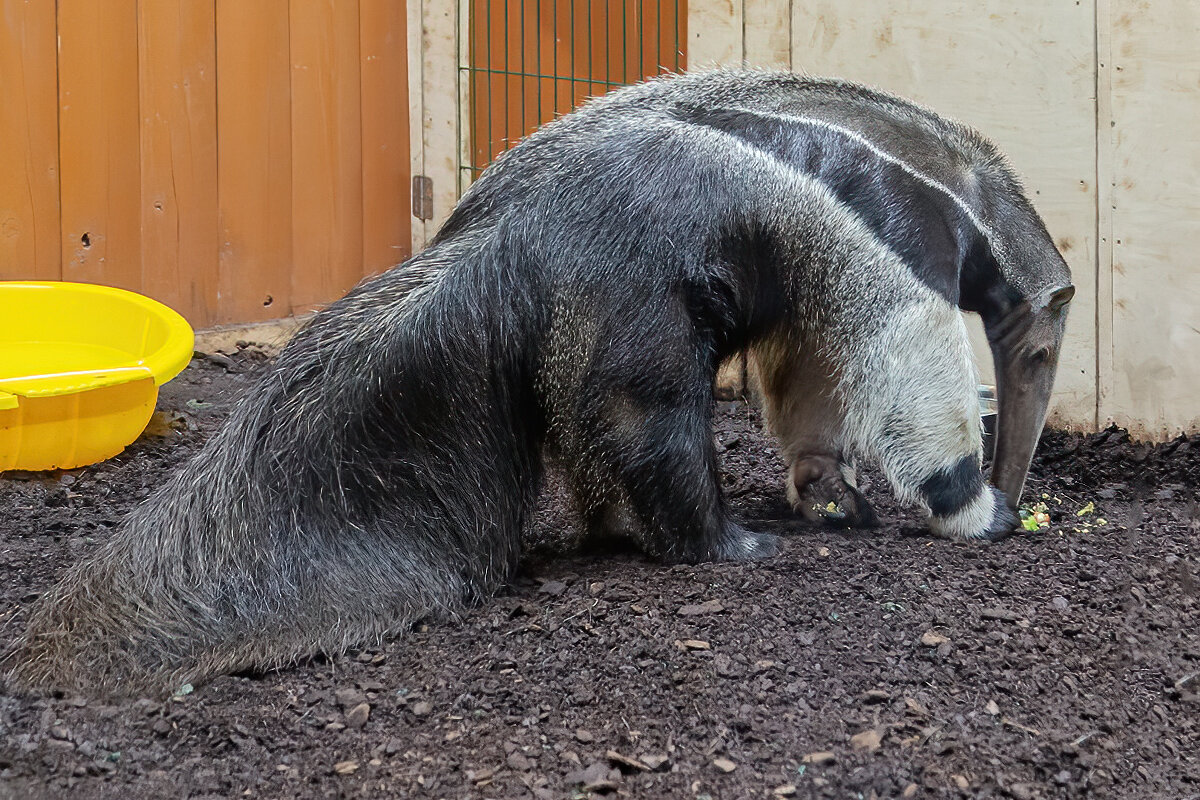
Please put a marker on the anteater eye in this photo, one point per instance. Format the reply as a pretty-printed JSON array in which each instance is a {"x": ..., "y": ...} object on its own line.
[{"x": 1040, "y": 356}]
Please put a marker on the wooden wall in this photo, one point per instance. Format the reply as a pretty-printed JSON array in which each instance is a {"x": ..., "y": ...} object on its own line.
[
  {"x": 236, "y": 160},
  {"x": 1097, "y": 104}
]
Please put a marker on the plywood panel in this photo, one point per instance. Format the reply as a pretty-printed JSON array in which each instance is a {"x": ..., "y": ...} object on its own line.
[
  {"x": 254, "y": 170},
  {"x": 767, "y": 33},
  {"x": 178, "y": 107},
  {"x": 1155, "y": 217},
  {"x": 1024, "y": 74},
  {"x": 440, "y": 104},
  {"x": 714, "y": 33},
  {"x": 387, "y": 231},
  {"x": 29, "y": 212},
  {"x": 327, "y": 243},
  {"x": 98, "y": 147}
]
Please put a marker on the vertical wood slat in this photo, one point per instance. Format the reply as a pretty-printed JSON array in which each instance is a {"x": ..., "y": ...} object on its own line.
[
  {"x": 178, "y": 108},
  {"x": 98, "y": 136},
  {"x": 254, "y": 170},
  {"x": 387, "y": 221},
  {"x": 326, "y": 150},
  {"x": 29, "y": 210}
]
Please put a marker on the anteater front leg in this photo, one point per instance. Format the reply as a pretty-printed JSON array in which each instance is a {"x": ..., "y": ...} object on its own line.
[{"x": 805, "y": 414}]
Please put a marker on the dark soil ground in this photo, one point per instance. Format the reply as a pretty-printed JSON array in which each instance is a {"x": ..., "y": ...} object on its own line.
[{"x": 858, "y": 664}]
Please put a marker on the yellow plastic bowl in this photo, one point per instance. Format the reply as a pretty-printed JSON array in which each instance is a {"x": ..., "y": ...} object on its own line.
[{"x": 80, "y": 367}]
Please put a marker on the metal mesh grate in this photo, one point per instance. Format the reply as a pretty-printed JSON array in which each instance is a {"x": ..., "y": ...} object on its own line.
[{"x": 532, "y": 60}]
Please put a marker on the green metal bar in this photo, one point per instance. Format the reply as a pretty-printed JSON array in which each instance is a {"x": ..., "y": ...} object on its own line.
[
  {"x": 507, "y": 55},
  {"x": 537, "y": 24},
  {"x": 624, "y": 40},
  {"x": 677, "y": 53},
  {"x": 641, "y": 15},
  {"x": 554, "y": 55},
  {"x": 524, "y": 120},
  {"x": 572, "y": 99}
]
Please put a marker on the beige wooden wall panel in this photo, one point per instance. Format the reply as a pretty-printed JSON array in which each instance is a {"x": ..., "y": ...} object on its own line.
[
  {"x": 1155, "y": 200},
  {"x": 440, "y": 108},
  {"x": 1021, "y": 72},
  {"x": 29, "y": 212},
  {"x": 714, "y": 33},
  {"x": 767, "y": 33}
]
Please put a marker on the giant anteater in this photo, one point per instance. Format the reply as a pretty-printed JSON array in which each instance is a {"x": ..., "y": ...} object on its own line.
[{"x": 576, "y": 306}]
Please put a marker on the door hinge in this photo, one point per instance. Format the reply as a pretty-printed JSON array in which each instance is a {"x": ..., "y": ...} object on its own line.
[{"x": 422, "y": 197}]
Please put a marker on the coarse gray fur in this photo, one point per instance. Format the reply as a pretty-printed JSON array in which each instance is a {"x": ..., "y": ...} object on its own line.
[{"x": 576, "y": 305}]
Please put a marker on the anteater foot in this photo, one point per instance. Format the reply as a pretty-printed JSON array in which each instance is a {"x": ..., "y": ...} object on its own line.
[
  {"x": 820, "y": 490},
  {"x": 740, "y": 544},
  {"x": 987, "y": 517}
]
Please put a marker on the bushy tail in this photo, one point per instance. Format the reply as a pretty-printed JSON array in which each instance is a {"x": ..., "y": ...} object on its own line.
[{"x": 380, "y": 474}]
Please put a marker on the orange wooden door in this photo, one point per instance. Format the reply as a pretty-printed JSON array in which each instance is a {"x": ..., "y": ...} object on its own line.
[
  {"x": 236, "y": 160},
  {"x": 532, "y": 60}
]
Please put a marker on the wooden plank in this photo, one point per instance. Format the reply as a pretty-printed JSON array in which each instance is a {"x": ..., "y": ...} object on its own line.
[
  {"x": 714, "y": 33},
  {"x": 98, "y": 142},
  {"x": 29, "y": 210},
  {"x": 178, "y": 107},
  {"x": 254, "y": 171},
  {"x": 327, "y": 187},
  {"x": 768, "y": 33},
  {"x": 1024, "y": 75},
  {"x": 416, "y": 95},
  {"x": 1105, "y": 140},
  {"x": 1155, "y": 217},
  {"x": 440, "y": 124},
  {"x": 387, "y": 230}
]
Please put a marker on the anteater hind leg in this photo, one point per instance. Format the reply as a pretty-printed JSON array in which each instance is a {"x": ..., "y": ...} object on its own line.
[
  {"x": 640, "y": 430},
  {"x": 910, "y": 394},
  {"x": 805, "y": 415}
]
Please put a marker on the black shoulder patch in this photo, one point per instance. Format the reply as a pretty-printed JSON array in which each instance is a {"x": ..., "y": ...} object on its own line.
[
  {"x": 918, "y": 223},
  {"x": 949, "y": 490}
]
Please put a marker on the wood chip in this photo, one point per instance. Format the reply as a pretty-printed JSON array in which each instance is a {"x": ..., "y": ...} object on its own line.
[
  {"x": 869, "y": 740},
  {"x": 992, "y": 708},
  {"x": 724, "y": 764},
  {"x": 632, "y": 763},
  {"x": 823, "y": 552},
  {"x": 1019, "y": 726},
  {"x": 692, "y": 644},
  {"x": 820, "y": 757},
  {"x": 655, "y": 761},
  {"x": 699, "y": 609},
  {"x": 932, "y": 639},
  {"x": 1002, "y": 614},
  {"x": 787, "y": 790},
  {"x": 478, "y": 776},
  {"x": 345, "y": 767},
  {"x": 358, "y": 716}
]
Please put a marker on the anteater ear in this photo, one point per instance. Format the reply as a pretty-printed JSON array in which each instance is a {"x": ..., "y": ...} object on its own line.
[{"x": 1061, "y": 297}]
